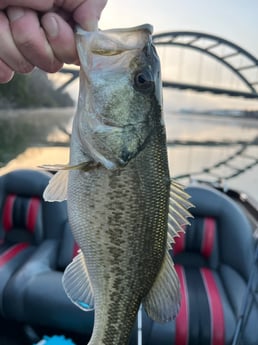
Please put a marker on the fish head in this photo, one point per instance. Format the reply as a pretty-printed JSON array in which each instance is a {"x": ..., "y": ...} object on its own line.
[{"x": 120, "y": 101}]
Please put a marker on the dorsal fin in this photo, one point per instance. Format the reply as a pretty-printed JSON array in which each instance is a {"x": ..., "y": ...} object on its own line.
[
  {"x": 163, "y": 300},
  {"x": 178, "y": 210}
]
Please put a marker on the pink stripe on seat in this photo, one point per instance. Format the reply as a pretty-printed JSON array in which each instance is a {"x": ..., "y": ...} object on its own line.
[
  {"x": 182, "y": 319},
  {"x": 10, "y": 253},
  {"x": 216, "y": 309},
  {"x": 209, "y": 228},
  {"x": 76, "y": 248},
  {"x": 8, "y": 212},
  {"x": 31, "y": 218},
  {"x": 179, "y": 245}
]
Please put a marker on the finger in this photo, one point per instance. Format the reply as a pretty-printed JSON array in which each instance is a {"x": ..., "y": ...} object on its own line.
[
  {"x": 33, "y": 4},
  {"x": 9, "y": 54},
  {"x": 60, "y": 37},
  {"x": 88, "y": 14},
  {"x": 30, "y": 39},
  {"x": 6, "y": 73}
]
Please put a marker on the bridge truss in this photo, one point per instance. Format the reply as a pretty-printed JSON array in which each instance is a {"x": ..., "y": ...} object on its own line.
[
  {"x": 209, "y": 45},
  {"x": 212, "y": 46}
]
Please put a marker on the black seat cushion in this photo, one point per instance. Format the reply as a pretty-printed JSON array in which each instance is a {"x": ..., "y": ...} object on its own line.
[{"x": 22, "y": 219}]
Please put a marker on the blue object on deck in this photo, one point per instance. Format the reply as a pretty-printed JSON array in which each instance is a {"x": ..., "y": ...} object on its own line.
[{"x": 55, "y": 340}]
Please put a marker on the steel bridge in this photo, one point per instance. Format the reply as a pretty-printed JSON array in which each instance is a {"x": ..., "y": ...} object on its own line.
[{"x": 239, "y": 62}]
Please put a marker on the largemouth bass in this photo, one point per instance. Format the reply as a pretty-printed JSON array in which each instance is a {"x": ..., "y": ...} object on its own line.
[{"x": 119, "y": 187}]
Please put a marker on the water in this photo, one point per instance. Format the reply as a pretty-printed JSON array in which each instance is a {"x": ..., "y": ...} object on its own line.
[
  {"x": 32, "y": 138},
  {"x": 29, "y": 138},
  {"x": 216, "y": 139}
]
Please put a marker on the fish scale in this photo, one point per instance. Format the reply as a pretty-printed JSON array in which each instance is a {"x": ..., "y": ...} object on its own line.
[
  {"x": 118, "y": 190},
  {"x": 138, "y": 227}
]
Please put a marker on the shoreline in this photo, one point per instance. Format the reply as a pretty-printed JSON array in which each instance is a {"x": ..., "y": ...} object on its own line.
[{"x": 222, "y": 113}]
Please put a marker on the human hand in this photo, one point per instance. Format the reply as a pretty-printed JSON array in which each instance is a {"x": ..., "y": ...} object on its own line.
[{"x": 40, "y": 33}]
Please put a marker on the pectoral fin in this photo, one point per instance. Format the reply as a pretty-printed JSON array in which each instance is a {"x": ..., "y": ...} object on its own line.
[
  {"x": 56, "y": 189},
  {"x": 163, "y": 300},
  {"x": 57, "y": 186},
  {"x": 77, "y": 284}
]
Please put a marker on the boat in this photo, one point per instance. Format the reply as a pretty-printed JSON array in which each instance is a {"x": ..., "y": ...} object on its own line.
[{"x": 216, "y": 260}]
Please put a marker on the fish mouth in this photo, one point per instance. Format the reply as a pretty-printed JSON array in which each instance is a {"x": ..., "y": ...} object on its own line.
[
  {"x": 144, "y": 27},
  {"x": 114, "y": 143},
  {"x": 110, "y": 123}
]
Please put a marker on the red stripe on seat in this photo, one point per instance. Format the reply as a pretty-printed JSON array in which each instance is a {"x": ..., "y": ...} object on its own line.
[
  {"x": 179, "y": 244},
  {"x": 209, "y": 228},
  {"x": 182, "y": 319},
  {"x": 32, "y": 214},
  {"x": 216, "y": 309},
  {"x": 76, "y": 248},
  {"x": 8, "y": 212},
  {"x": 10, "y": 253}
]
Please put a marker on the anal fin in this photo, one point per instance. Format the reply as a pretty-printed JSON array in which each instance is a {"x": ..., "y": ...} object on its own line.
[{"x": 77, "y": 284}]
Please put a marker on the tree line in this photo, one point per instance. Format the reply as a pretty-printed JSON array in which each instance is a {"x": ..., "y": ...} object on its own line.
[{"x": 32, "y": 90}]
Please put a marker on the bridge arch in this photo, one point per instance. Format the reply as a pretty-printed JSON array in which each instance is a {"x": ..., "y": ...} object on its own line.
[{"x": 191, "y": 40}]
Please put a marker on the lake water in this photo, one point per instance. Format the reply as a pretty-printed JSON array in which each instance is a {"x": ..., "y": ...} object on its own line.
[{"x": 32, "y": 138}]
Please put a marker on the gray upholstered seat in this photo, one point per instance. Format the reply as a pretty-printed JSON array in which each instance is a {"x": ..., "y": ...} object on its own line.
[{"x": 213, "y": 260}]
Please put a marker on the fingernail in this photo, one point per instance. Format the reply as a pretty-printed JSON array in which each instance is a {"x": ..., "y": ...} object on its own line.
[
  {"x": 91, "y": 25},
  {"x": 51, "y": 26},
  {"x": 15, "y": 13}
]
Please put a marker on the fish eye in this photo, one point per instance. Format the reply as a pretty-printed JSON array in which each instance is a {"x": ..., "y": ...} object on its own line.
[{"x": 143, "y": 81}]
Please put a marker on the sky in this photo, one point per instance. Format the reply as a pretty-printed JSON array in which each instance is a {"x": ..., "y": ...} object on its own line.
[{"x": 234, "y": 20}]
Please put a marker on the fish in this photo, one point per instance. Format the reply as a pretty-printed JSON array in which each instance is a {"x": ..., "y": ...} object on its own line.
[{"x": 123, "y": 207}]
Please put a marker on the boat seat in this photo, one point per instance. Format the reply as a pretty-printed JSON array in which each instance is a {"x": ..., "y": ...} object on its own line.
[
  {"x": 21, "y": 227},
  {"x": 35, "y": 294},
  {"x": 213, "y": 260},
  {"x": 26, "y": 220}
]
